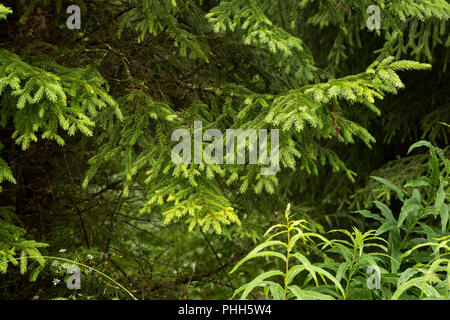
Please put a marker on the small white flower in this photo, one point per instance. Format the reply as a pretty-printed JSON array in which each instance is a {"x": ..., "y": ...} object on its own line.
[
  {"x": 55, "y": 281},
  {"x": 62, "y": 250},
  {"x": 90, "y": 257},
  {"x": 65, "y": 266},
  {"x": 55, "y": 263},
  {"x": 72, "y": 269}
]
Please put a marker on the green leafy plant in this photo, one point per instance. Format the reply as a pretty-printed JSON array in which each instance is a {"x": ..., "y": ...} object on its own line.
[
  {"x": 424, "y": 199},
  {"x": 293, "y": 231},
  {"x": 357, "y": 258},
  {"x": 412, "y": 259},
  {"x": 432, "y": 278}
]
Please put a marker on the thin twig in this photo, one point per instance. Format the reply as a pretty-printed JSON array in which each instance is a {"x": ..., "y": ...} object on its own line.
[{"x": 218, "y": 259}]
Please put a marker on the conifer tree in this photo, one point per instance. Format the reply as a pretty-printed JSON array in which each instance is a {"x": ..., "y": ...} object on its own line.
[{"x": 347, "y": 101}]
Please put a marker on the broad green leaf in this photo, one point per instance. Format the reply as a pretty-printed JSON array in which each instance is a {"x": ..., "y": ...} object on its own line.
[
  {"x": 397, "y": 258},
  {"x": 411, "y": 205},
  {"x": 392, "y": 186},
  {"x": 420, "y": 283},
  {"x": 368, "y": 214},
  {"x": 419, "y": 144},
  {"x": 322, "y": 272},
  {"x": 276, "y": 290},
  {"x": 307, "y": 264},
  {"x": 416, "y": 282},
  {"x": 421, "y": 182},
  {"x": 342, "y": 270},
  {"x": 444, "y": 217},
  {"x": 301, "y": 294},
  {"x": 387, "y": 213},
  {"x": 255, "y": 253},
  {"x": 293, "y": 272},
  {"x": 440, "y": 197},
  {"x": 259, "y": 281},
  {"x": 385, "y": 227}
]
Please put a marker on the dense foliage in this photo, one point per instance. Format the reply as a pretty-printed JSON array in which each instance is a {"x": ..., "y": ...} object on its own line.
[{"x": 86, "y": 171}]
